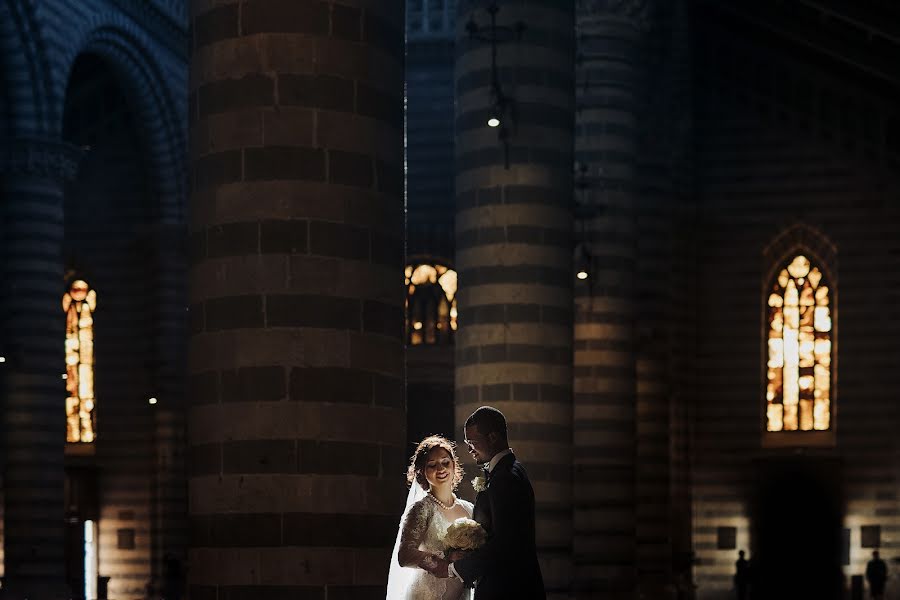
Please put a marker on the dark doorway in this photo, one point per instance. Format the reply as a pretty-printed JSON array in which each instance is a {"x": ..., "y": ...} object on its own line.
[
  {"x": 797, "y": 521},
  {"x": 82, "y": 513}
]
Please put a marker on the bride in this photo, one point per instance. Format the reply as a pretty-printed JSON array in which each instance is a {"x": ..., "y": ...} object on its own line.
[{"x": 431, "y": 506}]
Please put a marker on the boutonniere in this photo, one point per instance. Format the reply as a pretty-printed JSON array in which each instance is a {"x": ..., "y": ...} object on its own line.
[{"x": 479, "y": 484}]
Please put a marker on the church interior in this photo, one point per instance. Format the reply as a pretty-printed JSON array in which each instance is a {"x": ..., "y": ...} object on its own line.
[{"x": 255, "y": 250}]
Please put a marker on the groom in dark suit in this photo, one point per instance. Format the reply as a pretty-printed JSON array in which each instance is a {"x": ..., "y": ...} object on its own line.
[{"x": 506, "y": 566}]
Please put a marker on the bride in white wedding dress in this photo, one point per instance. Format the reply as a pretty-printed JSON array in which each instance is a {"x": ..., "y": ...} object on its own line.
[{"x": 433, "y": 467}]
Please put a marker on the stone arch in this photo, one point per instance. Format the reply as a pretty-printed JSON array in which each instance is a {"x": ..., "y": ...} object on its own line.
[
  {"x": 806, "y": 238},
  {"x": 33, "y": 107},
  {"x": 118, "y": 41}
]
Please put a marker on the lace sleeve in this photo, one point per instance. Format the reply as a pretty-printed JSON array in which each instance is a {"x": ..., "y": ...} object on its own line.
[{"x": 414, "y": 527}]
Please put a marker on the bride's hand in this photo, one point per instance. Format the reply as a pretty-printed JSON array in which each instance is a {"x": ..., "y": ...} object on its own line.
[
  {"x": 441, "y": 569},
  {"x": 429, "y": 562}
]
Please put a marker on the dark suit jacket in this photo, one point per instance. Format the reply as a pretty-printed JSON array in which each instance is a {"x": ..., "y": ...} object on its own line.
[{"x": 506, "y": 566}]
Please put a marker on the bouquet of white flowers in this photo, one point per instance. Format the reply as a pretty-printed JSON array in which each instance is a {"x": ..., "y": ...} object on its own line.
[{"x": 464, "y": 534}]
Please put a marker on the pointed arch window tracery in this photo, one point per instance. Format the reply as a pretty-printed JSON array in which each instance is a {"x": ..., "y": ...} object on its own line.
[{"x": 799, "y": 386}]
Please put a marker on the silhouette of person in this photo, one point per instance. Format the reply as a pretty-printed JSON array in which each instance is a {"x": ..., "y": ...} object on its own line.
[
  {"x": 173, "y": 578},
  {"x": 741, "y": 576},
  {"x": 876, "y": 575}
]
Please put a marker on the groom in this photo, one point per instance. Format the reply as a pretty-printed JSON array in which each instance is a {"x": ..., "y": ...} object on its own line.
[{"x": 506, "y": 566}]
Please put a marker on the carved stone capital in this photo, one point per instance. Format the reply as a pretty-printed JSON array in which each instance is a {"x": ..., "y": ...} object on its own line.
[
  {"x": 53, "y": 159},
  {"x": 638, "y": 12}
]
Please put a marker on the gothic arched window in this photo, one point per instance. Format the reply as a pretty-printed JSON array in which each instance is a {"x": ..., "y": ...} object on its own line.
[
  {"x": 430, "y": 304},
  {"x": 799, "y": 365},
  {"x": 79, "y": 304}
]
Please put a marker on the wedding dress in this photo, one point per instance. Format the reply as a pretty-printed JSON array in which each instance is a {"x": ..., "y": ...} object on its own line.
[{"x": 421, "y": 530}]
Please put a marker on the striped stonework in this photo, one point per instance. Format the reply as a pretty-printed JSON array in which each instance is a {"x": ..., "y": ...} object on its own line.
[
  {"x": 681, "y": 317},
  {"x": 748, "y": 166},
  {"x": 665, "y": 320},
  {"x": 610, "y": 89},
  {"x": 296, "y": 425},
  {"x": 31, "y": 176},
  {"x": 514, "y": 253}
]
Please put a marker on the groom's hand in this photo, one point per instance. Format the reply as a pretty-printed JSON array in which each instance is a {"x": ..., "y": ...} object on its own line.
[{"x": 441, "y": 569}]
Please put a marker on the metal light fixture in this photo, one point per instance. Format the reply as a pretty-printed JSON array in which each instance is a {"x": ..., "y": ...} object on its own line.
[{"x": 500, "y": 113}]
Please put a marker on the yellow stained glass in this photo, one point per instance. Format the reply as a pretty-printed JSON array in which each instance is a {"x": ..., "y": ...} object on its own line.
[
  {"x": 790, "y": 417},
  {"x": 822, "y": 415},
  {"x": 792, "y": 317},
  {"x": 806, "y": 415},
  {"x": 424, "y": 274},
  {"x": 806, "y": 296},
  {"x": 799, "y": 350},
  {"x": 815, "y": 276},
  {"x": 806, "y": 318},
  {"x": 783, "y": 278},
  {"x": 774, "y": 414},
  {"x": 79, "y": 304},
  {"x": 430, "y": 305},
  {"x": 776, "y": 353},
  {"x": 448, "y": 284},
  {"x": 791, "y": 296},
  {"x": 799, "y": 267},
  {"x": 823, "y": 379},
  {"x": 823, "y": 319},
  {"x": 777, "y": 324}
]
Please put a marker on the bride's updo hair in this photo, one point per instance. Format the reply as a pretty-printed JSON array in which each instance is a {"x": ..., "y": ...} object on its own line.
[{"x": 416, "y": 470}]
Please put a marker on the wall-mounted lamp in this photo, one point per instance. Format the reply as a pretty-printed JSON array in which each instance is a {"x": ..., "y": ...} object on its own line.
[
  {"x": 583, "y": 210},
  {"x": 583, "y": 260},
  {"x": 500, "y": 115}
]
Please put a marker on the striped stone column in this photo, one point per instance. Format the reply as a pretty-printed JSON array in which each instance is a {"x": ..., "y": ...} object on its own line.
[
  {"x": 296, "y": 420},
  {"x": 609, "y": 96},
  {"x": 31, "y": 178},
  {"x": 514, "y": 252},
  {"x": 665, "y": 318}
]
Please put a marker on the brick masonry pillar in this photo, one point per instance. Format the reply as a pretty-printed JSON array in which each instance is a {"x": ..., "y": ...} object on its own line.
[
  {"x": 514, "y": 253},
  {"x": 32, "y": 173},
  {"x": 610, "y": 85},
  {"x": 296, "y": 424}
]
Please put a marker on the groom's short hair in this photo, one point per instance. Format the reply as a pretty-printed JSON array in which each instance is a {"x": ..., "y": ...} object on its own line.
[{"x": 488, "y": 420}]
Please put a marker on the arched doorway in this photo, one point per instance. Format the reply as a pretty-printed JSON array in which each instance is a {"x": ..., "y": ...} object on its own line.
[
  {"x": 797, "y": 519},
  {"x": 109, "y": 213}
]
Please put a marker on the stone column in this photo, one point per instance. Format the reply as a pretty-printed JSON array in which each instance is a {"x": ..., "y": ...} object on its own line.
[
  {"x": 514, "y": 251},
  {"x": 296, "y": 419},
  {"x": 32, "y": 174},
  {"x": 610, "y": 85}
]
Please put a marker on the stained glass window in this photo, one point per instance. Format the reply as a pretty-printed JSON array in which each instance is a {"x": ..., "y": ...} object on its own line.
[
  {"x": 798, "y": 387},
  {"x": 430, "y": 304},
  {"x": 79, "y": 304}
]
